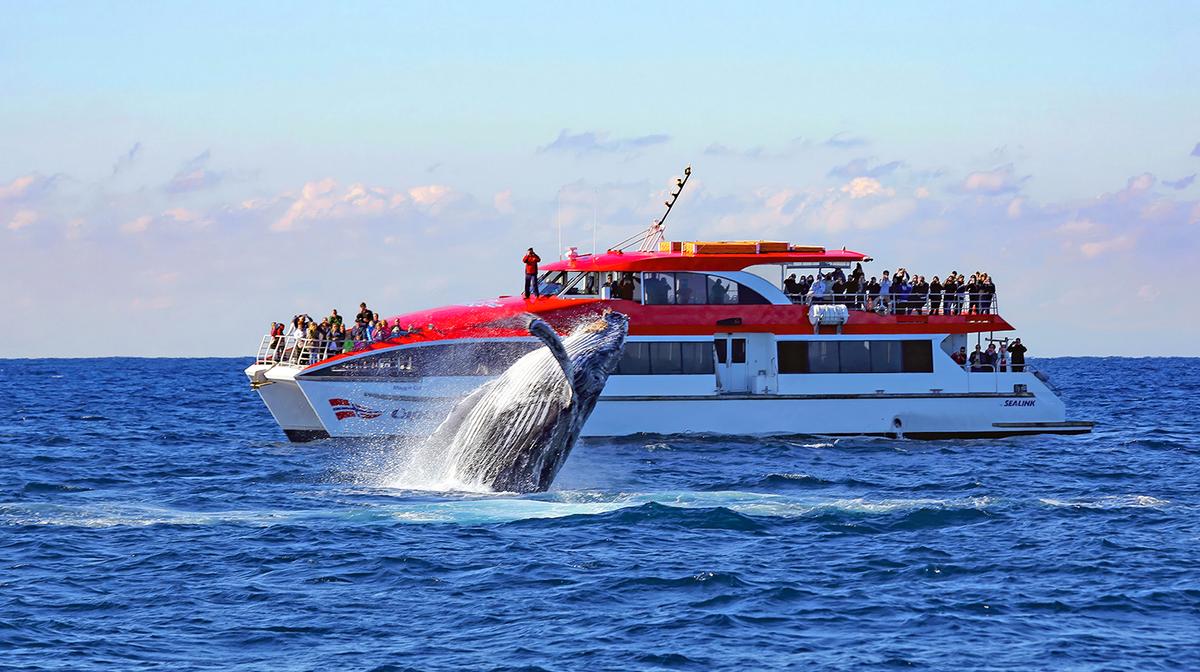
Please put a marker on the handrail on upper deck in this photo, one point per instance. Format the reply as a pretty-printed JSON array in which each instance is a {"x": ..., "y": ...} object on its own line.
[
  {"x": 295, "y": 352},
  {"x": 960, "y": 304}
]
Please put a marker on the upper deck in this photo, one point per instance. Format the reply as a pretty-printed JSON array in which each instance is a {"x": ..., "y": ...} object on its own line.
[
  {"x": 683, "y": 289},
  {"x": 693, "y": 257}
]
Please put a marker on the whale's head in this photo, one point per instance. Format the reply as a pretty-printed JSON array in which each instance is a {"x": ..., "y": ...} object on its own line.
[{"x": 595, "y": 349}]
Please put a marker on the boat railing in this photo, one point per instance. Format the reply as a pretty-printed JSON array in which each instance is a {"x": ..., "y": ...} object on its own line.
[
  {"x": 915, "y": 305},
  {"x": 292, "y": 351},
  {"x": 987, "y": 377}
]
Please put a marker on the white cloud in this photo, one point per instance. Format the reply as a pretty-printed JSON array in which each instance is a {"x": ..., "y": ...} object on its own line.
[
  {"x": 1099, "y": 247},
  {"x": 1000, "y": 180},
  {"x": 863, "y": 187},
  {"x": 325, "y": 200},
  {"x": 22, "y": 219},
  {"x": 139, "y": 225},
  {"x": 591, "y": 142},
  {"x": 1078, "y": 225},
  {"x": 502, "y": 201},
  {"x": 26, "y": 188}
]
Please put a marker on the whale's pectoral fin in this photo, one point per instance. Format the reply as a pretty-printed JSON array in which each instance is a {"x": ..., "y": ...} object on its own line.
[{"x": 548, "y": 336}]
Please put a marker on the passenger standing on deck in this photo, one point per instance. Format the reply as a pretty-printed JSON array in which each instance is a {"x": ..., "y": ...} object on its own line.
[
  {"x": 976, "y": 359},
  {"x": 920, "y": 294},
  {"x": 951, "y": 289},
  {"x": 989, "y": 358},
  {"x": 873, "y": 288},
  {"x": 531, "y": 260},
  {"x": 935, "y": 296},
  {"x": 989, "y": 292},
  {"x": 817, "y": 292},
  {"x": 885, "y": 293},
  {"x": 790, "y": 286},
  {"x": 364, "y": 314},
  {"x": 1017, "y": 351},
  {"x": 960, "y": 357},
  {"x": 838, "y": 290}
]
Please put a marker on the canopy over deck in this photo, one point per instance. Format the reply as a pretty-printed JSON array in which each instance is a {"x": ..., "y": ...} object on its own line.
[{"x": 665, "y": 262}]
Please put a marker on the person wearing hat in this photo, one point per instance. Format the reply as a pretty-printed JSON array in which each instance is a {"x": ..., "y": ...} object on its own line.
[{"x": 531, "y": 260}]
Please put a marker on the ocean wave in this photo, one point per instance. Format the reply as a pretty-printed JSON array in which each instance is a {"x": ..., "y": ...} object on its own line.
[{"x": 1108, "y": 502}]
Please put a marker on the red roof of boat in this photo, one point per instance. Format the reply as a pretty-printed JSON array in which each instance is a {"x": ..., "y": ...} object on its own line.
[{"x": 677, "y": 261}]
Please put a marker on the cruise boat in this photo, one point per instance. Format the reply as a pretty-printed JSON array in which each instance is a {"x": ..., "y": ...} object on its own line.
[{"x": 715, "y": 346}]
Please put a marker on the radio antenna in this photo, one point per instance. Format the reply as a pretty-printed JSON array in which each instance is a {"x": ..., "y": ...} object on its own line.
[{"x": 648, "y": 240}]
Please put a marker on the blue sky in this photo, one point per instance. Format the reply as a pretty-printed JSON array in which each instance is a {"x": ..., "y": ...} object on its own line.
[{"x": 163, "y": 163}]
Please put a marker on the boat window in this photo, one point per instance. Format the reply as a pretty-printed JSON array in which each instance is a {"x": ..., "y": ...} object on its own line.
[
  {"x": 793, "y": 356},
  {"x": 823, "y": 357},
  {"x": 911, "y": 356},
  {"x": 721, "y": 291},
  {"x": 666, "y": 358},
  {"x": 552, "y": 282},
  {"x": 660, "y": 288},
  {"x": 885, "y": 357},
  {"x": 581, "y": 283},
  {"x": 636, "y": 360},
  {"x": 855, "y": 357},
  {"x": 917, "y": 356},
  {"x": 697, "y": 357},
  {"x": 691, "y": 288},
  {"x": 722, "y": 348},
  {"x": 738, "y": 354},
  {"x": 695, "y": 289},
  {"x": 625, "y": 285}
]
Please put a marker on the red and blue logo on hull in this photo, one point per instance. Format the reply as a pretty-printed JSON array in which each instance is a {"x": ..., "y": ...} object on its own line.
[{"x": 343, "y": 408}]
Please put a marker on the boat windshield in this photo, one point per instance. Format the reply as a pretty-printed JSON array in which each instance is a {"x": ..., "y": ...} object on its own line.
[{"x": 569, "y": 283}]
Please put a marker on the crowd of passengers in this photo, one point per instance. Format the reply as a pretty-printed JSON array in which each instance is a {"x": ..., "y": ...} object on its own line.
[
  {"x": 993, "y": 358},
  {"x": 899, "y": 293},
  {"x": 333, "y": 334}
]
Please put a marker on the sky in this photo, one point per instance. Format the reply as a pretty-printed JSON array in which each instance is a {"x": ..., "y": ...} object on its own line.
[{"x": 175, "y": 176}]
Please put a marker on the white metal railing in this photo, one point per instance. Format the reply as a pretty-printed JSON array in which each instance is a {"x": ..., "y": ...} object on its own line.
[
  {"x": 292, "y": 351},
  {"x": 986, "y": 377},
  {"x": 926, "y": 304}
]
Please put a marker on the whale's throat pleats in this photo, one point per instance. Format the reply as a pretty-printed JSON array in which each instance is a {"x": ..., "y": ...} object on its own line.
[{"x": 546, "y": 334}]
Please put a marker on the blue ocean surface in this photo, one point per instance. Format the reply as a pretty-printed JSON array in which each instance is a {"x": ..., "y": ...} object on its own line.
[{"x": 153, "y": 516}]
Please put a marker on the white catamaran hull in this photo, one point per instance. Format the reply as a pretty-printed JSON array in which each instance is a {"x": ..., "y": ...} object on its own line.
[{"x": 353, "y": 409}]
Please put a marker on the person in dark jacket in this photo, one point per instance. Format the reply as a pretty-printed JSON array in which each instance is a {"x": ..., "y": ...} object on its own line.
[
  {"x": 950, "y": 287},
  {"x": 1016, "y": 354},
  {"x": 919, "y": 295},
  {"x": 972, "y": 291},
  {"x": 838, "y": 289},
  {"x": 935, "y": 296},
  {"x": 853, "y": 289},
  {"x": 531, "y": 260},
  {"x": 987, "y": 292},
  {"x": 976, "y": 359},
  {"x": 872, "y": 293}
]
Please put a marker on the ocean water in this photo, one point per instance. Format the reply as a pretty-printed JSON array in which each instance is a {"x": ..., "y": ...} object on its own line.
[{"x": 152, "y": 516}]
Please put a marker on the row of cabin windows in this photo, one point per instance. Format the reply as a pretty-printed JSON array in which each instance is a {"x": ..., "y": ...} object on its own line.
[
  {"x": 697, "y": 289},
  {"x": 662, "y": 358},
  {"x": 673, "y": 358},
  {"x": 660, "y": 288},
  {"x": 855, "y": 356}
]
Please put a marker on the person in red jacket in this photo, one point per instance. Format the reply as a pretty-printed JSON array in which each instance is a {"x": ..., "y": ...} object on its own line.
[{"x": 531, "y": 260}]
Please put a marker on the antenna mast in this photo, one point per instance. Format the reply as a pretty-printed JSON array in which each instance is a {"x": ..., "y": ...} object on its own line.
[{"x": 648, "y": 240}]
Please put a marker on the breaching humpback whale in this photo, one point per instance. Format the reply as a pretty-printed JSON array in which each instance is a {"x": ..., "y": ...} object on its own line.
[{"x": 513, "y": 433}]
